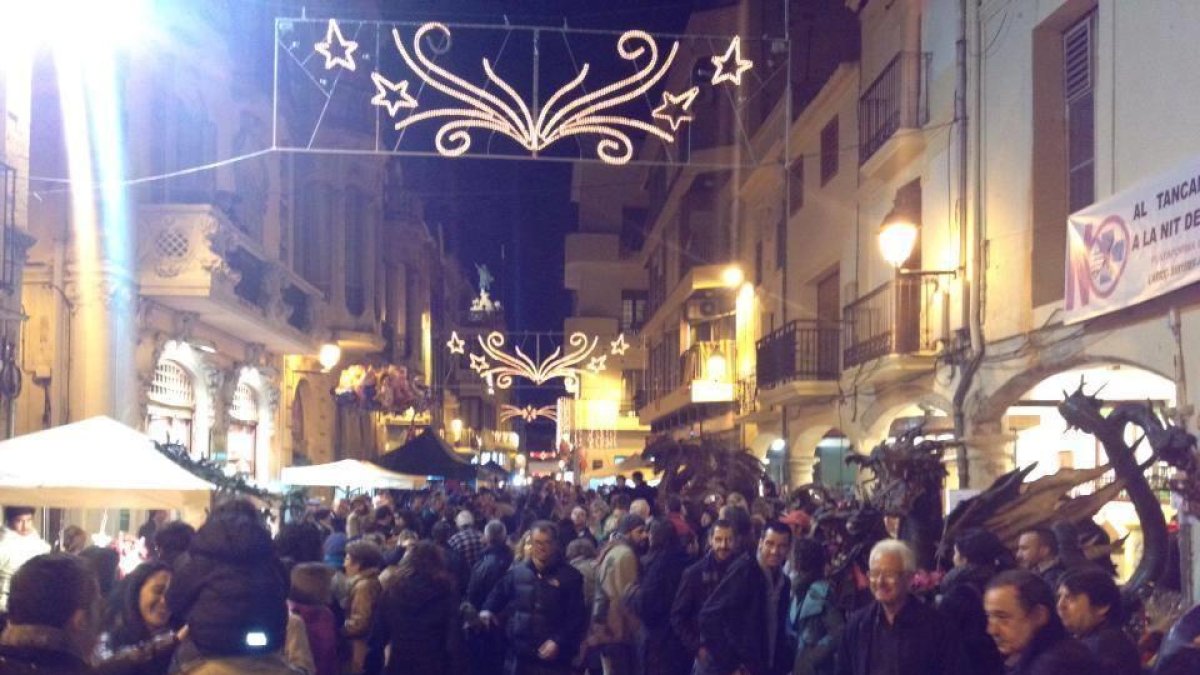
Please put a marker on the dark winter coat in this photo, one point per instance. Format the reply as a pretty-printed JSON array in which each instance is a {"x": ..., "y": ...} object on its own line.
[
  {"x": 929, "y": 643},
  {"x": 733, "y": 623},
  {"x": 36, "y": 650},
  {"x": 1053, "y": 652},
  {"x": 539, "y": 606},
  {"x": 695, "y": 586},
  {"x": 419, "y": 618},
  {"x": 230, "y": 583},
  {"x": 961, "y": 601},
  {"x": 1113, "y": 649},
  {"x": 661, "y": 650},
  {"x": 492, "y": 566},
  {"x": 321, "y": 627}
]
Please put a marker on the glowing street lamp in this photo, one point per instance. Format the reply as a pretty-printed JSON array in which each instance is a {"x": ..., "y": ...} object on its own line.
[
  {"x": 897, "y": 237},
  {"x": 732, "y": 276},
  {"x": 329, "y": 355}
]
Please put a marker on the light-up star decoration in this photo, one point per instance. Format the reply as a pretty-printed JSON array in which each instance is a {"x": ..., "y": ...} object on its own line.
[
  {"x": 337, "y": 50},
  {"x": 497, "y": 108},
  {"x": 676, "y": 109},
  {"x": 392, "y": 96},
  {"x": 597, "y": 364},
  {"x": 731, "y": 72},
  {"x": 619, "y": 346},
  {"x": 455, "y": 344},
  {"x": 497, "y": 367}
]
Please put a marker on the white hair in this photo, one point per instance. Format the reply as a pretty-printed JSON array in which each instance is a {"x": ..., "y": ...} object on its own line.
[
  {"x": 897, "y": 548},
  {"x": 640, "y": 507}
]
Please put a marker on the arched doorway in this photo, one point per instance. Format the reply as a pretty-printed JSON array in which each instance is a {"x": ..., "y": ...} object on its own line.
[
  {"x": 1040, "y": 435},
  {"x": 831, "y": 469}
]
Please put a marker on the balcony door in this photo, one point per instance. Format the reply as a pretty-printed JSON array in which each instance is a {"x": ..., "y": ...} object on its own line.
[{"x": 829, "y": 318}]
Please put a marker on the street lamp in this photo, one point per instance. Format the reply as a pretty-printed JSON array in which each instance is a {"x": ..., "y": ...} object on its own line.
[
  {"x": 329, "y": 355},
  {"x": 732, "y": 276},
  {"x": 897, "y": 237}
]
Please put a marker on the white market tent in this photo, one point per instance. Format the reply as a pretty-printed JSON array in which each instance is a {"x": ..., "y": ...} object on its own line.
[
  {"x": 96, "y": 463},
  {"x": 350, "y": 473}
]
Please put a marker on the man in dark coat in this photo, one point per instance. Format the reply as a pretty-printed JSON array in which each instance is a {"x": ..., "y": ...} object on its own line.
[
  {"x": 698, "y": 583},
  {"x": 540, "y": 602},
  {"x": 744, "y": 624},
  {"x": 897, "y": 633},
  {"x": 661, "y": 651},
  {"x": 487, "y": 647},
  {"x": 53, "y": 616},
  {"x": 1089, "y": 605},
  {"x": 1022, "y": 621}
]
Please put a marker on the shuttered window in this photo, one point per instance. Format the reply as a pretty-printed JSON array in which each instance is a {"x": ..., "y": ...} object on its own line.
[{"x": 1079, "y": 75}]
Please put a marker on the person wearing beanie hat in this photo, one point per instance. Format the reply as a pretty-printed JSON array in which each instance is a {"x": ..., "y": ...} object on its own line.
[
  {"x": 614, "y": 625},
  {"x": 19, "y": 542},
  {"x": 467, "y": 541},
  {"x": 309, "y": 598}
]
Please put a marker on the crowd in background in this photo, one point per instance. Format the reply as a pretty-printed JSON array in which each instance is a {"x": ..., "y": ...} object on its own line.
[{"x": 553, "y": 579}]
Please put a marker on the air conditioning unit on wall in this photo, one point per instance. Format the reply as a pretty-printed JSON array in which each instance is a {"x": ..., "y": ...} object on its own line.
[{"x": 708, "y": 306}]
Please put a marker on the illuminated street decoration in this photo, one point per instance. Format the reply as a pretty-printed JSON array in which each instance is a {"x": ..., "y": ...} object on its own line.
[
  {"x": 506, "y": 112},
  {"x": 384, "y": 90},
  {"x": 528, "y": 413},
  {"x": 676, "y": 109},
  {"x": 455, "y": 344},
  {"x": 725, "y": 73},
  {"x": 597, "y": 364},
  {"x": 507, "y": 366},
  {"x": 619, "y": 346},
  {"x": 337, "y": 50}
]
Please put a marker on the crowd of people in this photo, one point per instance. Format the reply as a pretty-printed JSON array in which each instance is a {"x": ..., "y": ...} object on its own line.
[{"x": 551, "y": 579}]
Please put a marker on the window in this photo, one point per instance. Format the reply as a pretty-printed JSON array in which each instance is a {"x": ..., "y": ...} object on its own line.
[
  {"x": 1079, "y": 70},
  {"x": 243, "y": 429},
  {"x": 796, "y": 184},
  {"x": 781, "y": 228},
  {"x": 829, "y": 151},
  {"x": 633, "y": 309},
  {"x": 357, "y": 257},
  {"x": 172, "y": 405},
  {"x": 312, "y": 243},
  {"x": 758, "y": 262}
]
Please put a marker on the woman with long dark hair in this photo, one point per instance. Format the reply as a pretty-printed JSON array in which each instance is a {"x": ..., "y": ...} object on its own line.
[
  {"x": 139, "y": 640},
  {"x": 418, "y": 616}
]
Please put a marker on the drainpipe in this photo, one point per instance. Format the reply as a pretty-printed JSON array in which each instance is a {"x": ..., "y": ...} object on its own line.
[{"x": 970, "y": 238}]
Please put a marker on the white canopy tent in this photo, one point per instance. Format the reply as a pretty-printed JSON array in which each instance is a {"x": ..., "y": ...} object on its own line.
[
  {"x": 96, "y": 463},
  {"x": 350, "y": 473}
]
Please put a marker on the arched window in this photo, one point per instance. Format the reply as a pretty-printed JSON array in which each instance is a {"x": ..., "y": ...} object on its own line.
[
  {"x": 172, "y": 404},
  {"x": 243, "y": 429}
]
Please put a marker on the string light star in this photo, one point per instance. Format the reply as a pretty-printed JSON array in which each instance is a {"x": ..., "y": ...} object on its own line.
[
  {"x": 479, "y": 364},
  {"x": 722, "y": 62},
  {"x": 596, "y": 365},
  {"x": 344, "y": 54},
  {"x": 384, "y": 88},
  {"x": 455, "y": 344},
  {"x": 619, "y": 346},
  {"x": 676, "y": 109}
]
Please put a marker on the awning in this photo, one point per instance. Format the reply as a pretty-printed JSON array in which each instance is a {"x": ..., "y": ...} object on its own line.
[
  {"x": 427, "y": 455},
  {"x": 350, "y": 473},
  {"x": 96, "y": 463}
]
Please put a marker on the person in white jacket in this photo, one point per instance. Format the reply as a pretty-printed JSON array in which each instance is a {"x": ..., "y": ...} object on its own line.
[{"x": 19, "y": 541}]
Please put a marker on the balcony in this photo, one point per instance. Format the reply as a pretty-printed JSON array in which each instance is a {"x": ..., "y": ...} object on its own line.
[
  {"x": 906, "y": 317},
  {"x": 891, "y": 112},
  {"x": 193, "y": 259},
  {"x": 703, "y": 374},
  {"x": 797, "y": 360}
]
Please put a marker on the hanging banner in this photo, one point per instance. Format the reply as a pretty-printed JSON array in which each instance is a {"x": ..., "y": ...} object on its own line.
[{"x": 1138, "y": 244}]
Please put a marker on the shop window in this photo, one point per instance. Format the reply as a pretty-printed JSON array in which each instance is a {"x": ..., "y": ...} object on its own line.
[
  {"x": 243, "y": 429},
  {"x": 172, "y": 405}
]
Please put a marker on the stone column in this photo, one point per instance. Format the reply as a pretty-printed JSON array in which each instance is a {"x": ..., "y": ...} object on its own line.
[
  {"x": 989, "y": 456},
  {"x": 103, "y": 371},
  {"x": 802, "y": 454}
]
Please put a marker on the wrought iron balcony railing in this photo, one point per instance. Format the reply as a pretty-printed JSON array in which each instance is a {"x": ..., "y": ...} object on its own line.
[
  {"x": 898, "y": 317},
  {"x": 897, "y": 99},
  {"x": 8, "y": 226},
  {"x": 804, "y": 349}
]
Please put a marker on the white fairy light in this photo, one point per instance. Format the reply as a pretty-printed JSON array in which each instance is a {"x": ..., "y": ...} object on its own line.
[
  {"x": 384, "y": 89},
  {"x": 503, "y": 367},
  {"x": 597, "y": 364},
  {"x": 507, "y": 112},
  {"x": 619, "y": 346},
  {"x": 675, "y": 109},
  {"x": 344, "y": 55},
  {"x": 740, "y": 65},
  {"x": 480, "y": 365},
  {"x": 455, "y": 344}
]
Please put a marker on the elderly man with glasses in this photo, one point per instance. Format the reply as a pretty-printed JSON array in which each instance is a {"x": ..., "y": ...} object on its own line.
[{"x": 897, "y": 634}]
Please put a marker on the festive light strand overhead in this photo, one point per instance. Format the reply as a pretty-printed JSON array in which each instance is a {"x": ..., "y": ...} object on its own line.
[
  {"x": 726, "y": 72},
  {"x": 506, "y": 112},
  {"x": 497, "y": 367},
  {"x": 528, "y": 413},
  {"x": 337, "y": 50}
]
